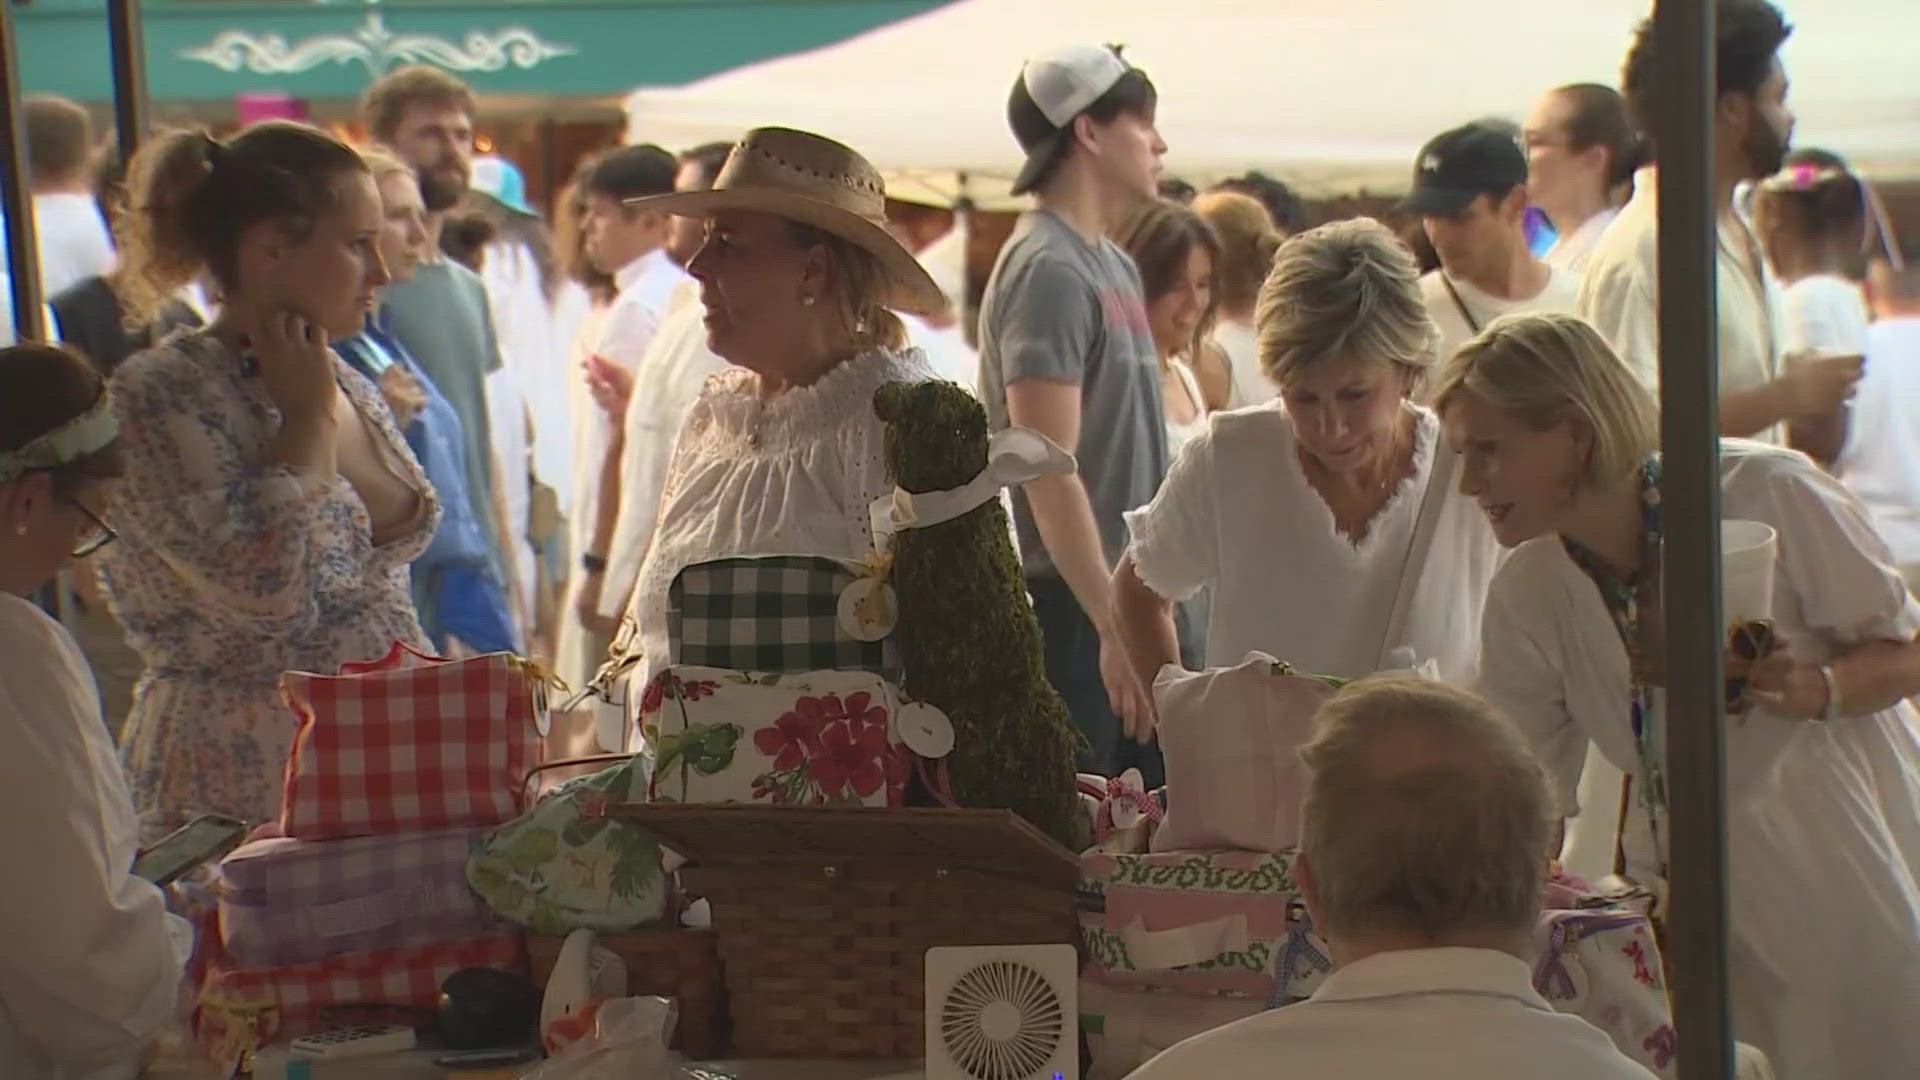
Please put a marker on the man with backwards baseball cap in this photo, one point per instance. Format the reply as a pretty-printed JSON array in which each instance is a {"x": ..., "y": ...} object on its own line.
[
  {"x": 1470, "y": 192},
  {"x": 1065, "y": 349}
]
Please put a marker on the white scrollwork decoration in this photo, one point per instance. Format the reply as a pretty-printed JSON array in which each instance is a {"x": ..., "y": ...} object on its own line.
[{"x": 376, "y": 47}]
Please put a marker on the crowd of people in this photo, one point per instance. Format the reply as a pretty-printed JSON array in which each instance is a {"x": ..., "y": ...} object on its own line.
[{"x": 316, "y": 398}]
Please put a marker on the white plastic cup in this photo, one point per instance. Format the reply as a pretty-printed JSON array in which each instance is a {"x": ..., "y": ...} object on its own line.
[{"x": 1748, "y": 551}]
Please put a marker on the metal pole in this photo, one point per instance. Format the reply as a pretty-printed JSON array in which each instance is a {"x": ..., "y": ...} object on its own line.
[
  {"x": 1696, "y": 636},
  {"x": 129, "y": 75},
  {"x": 23, "y": 254}
]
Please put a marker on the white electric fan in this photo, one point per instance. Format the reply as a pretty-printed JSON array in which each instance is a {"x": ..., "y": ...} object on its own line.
[{"x": 1003, "y": 1013}]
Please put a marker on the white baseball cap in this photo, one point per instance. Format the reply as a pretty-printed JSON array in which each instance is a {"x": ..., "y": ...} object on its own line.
[{"x": 1053, "y": 89}]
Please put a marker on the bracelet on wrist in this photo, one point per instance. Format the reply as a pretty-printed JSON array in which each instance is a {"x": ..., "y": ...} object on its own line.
[
  {"x": 593, "y": 564},
  {"x": 1831, "y": 710}
]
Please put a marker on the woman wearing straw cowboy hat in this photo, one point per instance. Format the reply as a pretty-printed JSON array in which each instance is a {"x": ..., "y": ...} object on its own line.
[{"x": 782, "y": 453}]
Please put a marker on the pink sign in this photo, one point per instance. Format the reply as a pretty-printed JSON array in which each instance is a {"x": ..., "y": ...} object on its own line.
[{"x": 269, "y": 105}]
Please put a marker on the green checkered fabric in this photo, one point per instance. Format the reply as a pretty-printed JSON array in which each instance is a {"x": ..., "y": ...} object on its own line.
[{"x": 777, "y": 613}]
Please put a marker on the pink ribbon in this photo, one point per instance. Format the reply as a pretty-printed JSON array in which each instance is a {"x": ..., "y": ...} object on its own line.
[{"x": 1118, "y": 792}]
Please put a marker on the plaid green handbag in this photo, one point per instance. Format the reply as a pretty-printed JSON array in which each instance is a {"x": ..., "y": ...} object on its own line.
[{"x": 771, "y": 613}]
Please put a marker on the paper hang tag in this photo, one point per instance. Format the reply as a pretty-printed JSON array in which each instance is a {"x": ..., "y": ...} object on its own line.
[
  {"x": 1127, "y": 812},
  {"x": 868, "y": 609},
  {"x": 925, "y": 730}
]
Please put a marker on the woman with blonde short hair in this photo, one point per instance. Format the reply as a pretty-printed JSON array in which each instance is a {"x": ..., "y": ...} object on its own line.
[
  {"x": 1823, "y": 768},
  {"x": 1304, "y": 508},
  {"x": 1248, "y": 241}
]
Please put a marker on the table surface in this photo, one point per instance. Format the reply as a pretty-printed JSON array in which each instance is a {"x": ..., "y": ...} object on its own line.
[{"x": 418, "y": 1065}]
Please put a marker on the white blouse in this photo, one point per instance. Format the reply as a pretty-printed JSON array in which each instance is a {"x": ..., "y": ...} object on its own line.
[
  {"x": 791, "y": 474},
  {"x": 93, "y": 960},
  {"x": 1237, "y": 512},
  {"x": 1825, "y": 313}
]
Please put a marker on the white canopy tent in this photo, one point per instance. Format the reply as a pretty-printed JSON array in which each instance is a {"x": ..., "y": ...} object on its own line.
[{"x": 1332, "y": 95}]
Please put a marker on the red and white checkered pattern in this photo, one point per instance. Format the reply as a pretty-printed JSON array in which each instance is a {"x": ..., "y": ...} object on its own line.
[
  {"x": 410, "y": 744},
  {"x": 288, "y": 1002}
]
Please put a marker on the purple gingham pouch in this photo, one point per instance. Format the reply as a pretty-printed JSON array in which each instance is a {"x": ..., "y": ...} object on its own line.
[{"x": 288, "y": 901}]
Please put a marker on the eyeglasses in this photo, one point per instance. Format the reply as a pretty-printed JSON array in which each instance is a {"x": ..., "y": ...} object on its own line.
[{"x": 100, "y": 536}]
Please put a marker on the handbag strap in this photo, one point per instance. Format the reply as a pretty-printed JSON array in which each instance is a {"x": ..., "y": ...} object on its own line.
[
  {"x": 1439, "y": 479},
  {"x": 1460, "y": 302}
]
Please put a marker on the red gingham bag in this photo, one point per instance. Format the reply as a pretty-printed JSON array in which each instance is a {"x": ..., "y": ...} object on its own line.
[
  {"x": 245, "y": 1008},
  {"x": 411, "y": 743}
]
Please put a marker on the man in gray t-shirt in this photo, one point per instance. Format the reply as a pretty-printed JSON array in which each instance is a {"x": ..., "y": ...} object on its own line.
[{"x": 1065, "y": 350}]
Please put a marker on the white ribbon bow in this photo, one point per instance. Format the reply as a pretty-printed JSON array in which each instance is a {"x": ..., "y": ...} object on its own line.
[{"x": 1015, "y": 456}]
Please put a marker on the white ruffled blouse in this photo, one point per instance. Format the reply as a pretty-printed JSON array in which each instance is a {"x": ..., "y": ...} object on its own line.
[{"x": 791, "y": 474}]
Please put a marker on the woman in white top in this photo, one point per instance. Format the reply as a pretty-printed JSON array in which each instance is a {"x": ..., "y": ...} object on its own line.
[
  {"x": 782, "y": 453},
  {"x": 1176, "y": 253},
  {"x": 1248, "y": 240},
  {"x": 1581, "y": 155},
  {"x": 1823, "y": 775},
  {"x": 1301, "y": 512},
  {"x": 93, "y": 961},
  {"x": 1811, "y": 221}
]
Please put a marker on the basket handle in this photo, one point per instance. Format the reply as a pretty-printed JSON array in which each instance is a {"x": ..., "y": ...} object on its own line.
[{"x": 526, "y": 784}]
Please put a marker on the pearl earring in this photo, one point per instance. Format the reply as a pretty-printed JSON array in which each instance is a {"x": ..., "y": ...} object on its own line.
[
  {"x": 20, "y": 530},
  {"x": 806, "y": 301}
]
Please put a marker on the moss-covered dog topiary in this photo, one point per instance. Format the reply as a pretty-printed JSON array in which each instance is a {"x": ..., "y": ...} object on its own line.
[{"x": 967, "y": 634}]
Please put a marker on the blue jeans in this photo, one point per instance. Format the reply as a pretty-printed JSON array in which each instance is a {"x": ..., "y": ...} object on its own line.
[{"x": 1073, "y": 667}]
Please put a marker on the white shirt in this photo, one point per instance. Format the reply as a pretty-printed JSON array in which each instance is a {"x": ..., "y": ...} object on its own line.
[
  {"x": 792, "y": 474},
  {"x": 1570, "y": 251},
  {"x": 93, "y": 961},
  {"x": 1236, "y": 512},
  {"x": 646, "y": 285},
  {"x": 1178, "y": 434},
  {"x": 1559, "y": 294},
  {"x": 669, "y": 378},
  {"x": 1250, "y": 385},
  {"x": 1824, "y": 313},
  {"x": 1435, "y": 1014},
  {"x": 531, "y": 345},
  {"x": 74, "y": 242},
  {"x": 1620, "y": 290},
  {"x": 1823, "y": 827},
  {"x": 1881, "y": 462}
]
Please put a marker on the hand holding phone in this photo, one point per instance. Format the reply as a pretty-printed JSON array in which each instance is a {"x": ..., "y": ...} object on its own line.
[{"x": 198, "y": 842}]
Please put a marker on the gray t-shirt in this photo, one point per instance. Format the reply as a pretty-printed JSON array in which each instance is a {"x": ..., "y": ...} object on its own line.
[{"x": 1060, "y": 308}]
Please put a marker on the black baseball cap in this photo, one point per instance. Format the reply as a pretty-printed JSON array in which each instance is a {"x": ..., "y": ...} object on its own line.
[
  {"x": 1461, "y": 165},
  {"x": 1053, "y": 89}
]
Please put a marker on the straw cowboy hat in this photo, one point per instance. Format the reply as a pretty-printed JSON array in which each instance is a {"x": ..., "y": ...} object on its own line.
[{"x": 813, "y": 180}]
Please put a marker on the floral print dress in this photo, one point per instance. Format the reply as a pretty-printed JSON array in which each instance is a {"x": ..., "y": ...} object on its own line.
[{"x": 232, "y": 569}]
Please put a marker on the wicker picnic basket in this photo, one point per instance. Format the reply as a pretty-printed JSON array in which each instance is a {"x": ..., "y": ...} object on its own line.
[{"x": 825, "y": 914}]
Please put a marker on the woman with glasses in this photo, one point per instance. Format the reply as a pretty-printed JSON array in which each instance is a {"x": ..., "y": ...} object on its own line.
[
  {"x": 271, "y": 509},
  {"x": 91, "y": 975}
]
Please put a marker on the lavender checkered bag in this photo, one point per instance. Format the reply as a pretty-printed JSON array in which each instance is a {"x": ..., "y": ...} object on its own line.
[{"x": 287, "y": 901}]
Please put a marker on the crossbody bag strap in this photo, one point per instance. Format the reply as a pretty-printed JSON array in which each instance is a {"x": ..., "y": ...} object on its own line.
[
  {"x": 1439, "y": 480},
  {"x": 1460, "y": 302}
]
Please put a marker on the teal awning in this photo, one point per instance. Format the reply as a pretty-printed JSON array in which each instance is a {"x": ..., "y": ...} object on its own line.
[{"x": 205, "y": 50}]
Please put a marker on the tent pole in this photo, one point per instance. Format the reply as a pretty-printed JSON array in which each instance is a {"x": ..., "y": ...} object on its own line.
[
  {"x": 1696, "y": 636},
  {"x": 129, "y": 75},
  {"x": 23, "y": 253}
]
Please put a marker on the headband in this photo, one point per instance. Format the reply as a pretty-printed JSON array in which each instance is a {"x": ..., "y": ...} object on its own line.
[{"x": 88, "y": 433}]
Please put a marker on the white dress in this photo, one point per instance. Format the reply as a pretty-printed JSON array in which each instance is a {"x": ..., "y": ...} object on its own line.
[
  {"x": 1250, "y": 385},
  {"x": 1823, "y": 819},
  {"x": 1825, "y": 313},
  {"x": 792, "y": 474},
  {"x": 1236, "y": 512},
  {"x": 93, "y": 961}
]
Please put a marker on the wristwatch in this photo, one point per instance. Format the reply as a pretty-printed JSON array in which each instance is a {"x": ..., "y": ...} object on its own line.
[
  {"x": 593, "y": 564},
  {"x": 1831, "y": 710}
]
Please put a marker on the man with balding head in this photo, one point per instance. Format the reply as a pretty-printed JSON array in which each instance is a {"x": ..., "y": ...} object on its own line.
[{"x": 1423, "y": 857}]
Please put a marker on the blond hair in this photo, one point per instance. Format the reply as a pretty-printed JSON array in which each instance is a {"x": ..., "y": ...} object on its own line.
[
  {"x": 1347, "y": 290},
  {"x": 1425, "y": 811},
  {"x": 382, "y": 163},
  {"x": 856, "y": 294},
  {"x": 1248, "y": 242},
  {"x": 1545, "y": 368}
]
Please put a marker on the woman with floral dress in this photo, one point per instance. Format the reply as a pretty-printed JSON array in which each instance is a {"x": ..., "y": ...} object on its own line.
[{"x": 270, "y": 509}]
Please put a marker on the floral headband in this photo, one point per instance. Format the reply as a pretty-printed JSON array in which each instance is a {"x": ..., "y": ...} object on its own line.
[{"x": 85, "y": 434}]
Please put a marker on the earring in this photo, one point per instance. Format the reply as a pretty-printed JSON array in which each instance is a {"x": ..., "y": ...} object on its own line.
[
  {"x": 806, "y": 301},
  {"x": 20, "y": 529}
]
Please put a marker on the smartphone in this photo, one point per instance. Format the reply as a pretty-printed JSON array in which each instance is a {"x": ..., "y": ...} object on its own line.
[
  {"x": 460, "y": 1060},
  {"x": 193, "y": 844}
]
